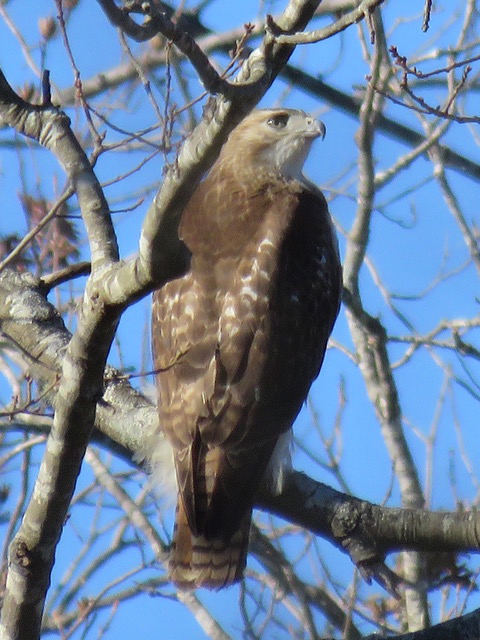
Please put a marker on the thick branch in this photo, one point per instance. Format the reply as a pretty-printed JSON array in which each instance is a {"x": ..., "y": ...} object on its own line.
[
  {"x": 33, "y": 326},
  {"x": 367, "y": 531}
]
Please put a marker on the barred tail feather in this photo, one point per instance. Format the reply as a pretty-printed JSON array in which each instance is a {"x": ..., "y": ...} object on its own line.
[{"x": 196, "y": 561}]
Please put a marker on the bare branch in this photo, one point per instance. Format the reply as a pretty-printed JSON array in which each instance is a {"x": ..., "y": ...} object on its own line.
[
  {"x": 51, "y": 128},
  {"x": 356, "y": 15},
  {"x": 158, "y": 22},
  {"x": 426, "y": 14}
]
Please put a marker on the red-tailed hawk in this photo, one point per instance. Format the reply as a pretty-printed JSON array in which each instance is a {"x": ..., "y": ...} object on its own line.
[{"x": 239, "y": 339}]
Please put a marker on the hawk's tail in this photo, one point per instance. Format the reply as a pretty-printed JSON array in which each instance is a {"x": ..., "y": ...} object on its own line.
[{"x": 196, "y": 561}]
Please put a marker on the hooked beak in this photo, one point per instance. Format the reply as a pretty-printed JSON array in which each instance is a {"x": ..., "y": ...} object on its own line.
[{"x": 315, "y": 128}]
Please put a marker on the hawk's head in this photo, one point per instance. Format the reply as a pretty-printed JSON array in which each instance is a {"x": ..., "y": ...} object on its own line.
[{"x": 275, "y": 140}]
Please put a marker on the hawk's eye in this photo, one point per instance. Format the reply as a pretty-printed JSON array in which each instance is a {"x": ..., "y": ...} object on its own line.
[{"x": 279, "y": 121}]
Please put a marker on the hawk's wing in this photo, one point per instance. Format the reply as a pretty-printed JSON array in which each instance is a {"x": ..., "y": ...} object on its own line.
[{"x": 210, "y": 337}]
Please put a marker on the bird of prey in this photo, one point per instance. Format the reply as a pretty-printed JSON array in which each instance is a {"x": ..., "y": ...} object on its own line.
[{"x": 240, "y": 337}]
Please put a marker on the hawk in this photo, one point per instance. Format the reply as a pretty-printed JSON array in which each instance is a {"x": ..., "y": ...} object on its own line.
[{"x": 239, "y": 338}]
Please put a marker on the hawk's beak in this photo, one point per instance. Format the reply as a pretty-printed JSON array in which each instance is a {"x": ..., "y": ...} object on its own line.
[{"x": 316, "y": 128}]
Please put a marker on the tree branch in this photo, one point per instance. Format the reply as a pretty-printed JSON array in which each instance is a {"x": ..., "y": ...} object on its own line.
[
  {"x": 157, "y": 21},
  {"x": 50, "y": 127},
  {"x": 80, "y": 379},
  {"x": 353, "y": 17},
  {"x": 369, "y": 335}
]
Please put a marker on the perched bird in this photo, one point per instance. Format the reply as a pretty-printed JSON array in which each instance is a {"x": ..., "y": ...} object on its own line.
[{"x": 240, "y": 337}]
